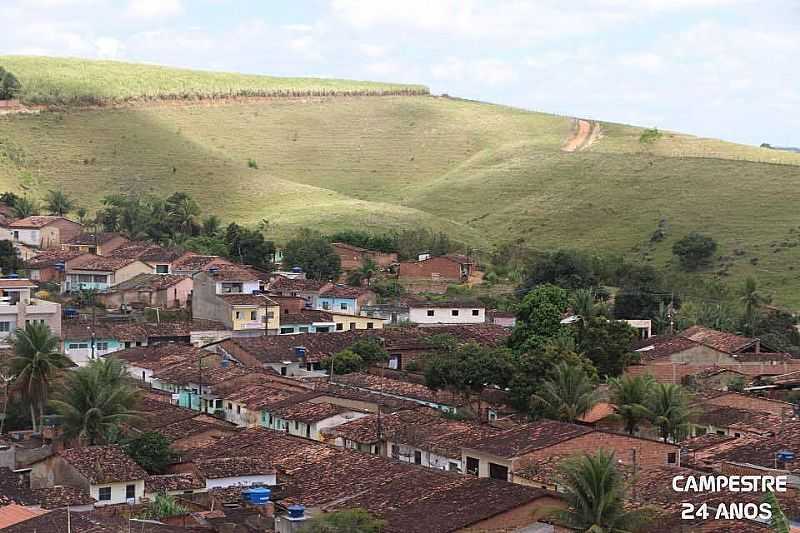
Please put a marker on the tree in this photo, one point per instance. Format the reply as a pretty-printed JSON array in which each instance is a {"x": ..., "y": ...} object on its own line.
[
  {"x": 344, "y": 362},
  {"x": 629, "y": 395},
  {"x": 181, "y": 212},
  {"x": 346, "y": 521},
  {"x": 9, "y": 85},
  {"x": 10, "y": 261},
  {"x": 152, "y": 451},
  {"x": 356, "y": 277},
  {"x": 82, "y": 213},
  {"x": 568, "y": 269},
  {"x": 751, "y": 300},
  {"x": 469, "y": 369},
  {"x": 371, "y": 350},
  {"x": 539, "y": 317},
  {"x": 25, "y": 207},
  {"x": 95, "y": 400},
  {"x": 249, "y": 246},
  {"x": 58, "y": 203},
  {"x": 607, "y": 343},
  {"x": 694, "y": 250},
  {"x": 36, "y": 363},
  {"x": 595, "y": 493},
  {"x": 163, "y": 506},
  {"x": 206, "y": 245},
  {"x": 778, "y": 522},
  {"x": 212, "y": 225},
  {"x": 310, "y": 251},
  {"x": 668, "y": 410},
  {"x": 567, "y": 395}
]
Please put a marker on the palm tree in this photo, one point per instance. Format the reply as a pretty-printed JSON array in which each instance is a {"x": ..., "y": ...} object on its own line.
[
  {"x": 58, "y": 203},
  {"x": 568, "y": 395},
  {"x": 211, "y": 225},
  {"x": 35, "y": 364},
  {"x": 25, "y": 207},
  {"x": 82, "y": 213},
  {"x": 364, "y": 272},
  {"x": 182, "y": 211},
  {"x": 629, "y": 395},
  {"x": 752, "y": 301},
  {"x": 595, "y": 491},
  {"x": 668, "y": 409},
  {"x": 95, "y": 399}
]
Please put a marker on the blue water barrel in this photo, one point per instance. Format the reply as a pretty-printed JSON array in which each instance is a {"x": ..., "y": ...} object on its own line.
[
  {"x": 257, "y": 495},
  {"x": 296, "y": 511}
]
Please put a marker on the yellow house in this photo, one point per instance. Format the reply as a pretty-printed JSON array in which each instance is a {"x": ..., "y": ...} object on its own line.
[
  {"x": 252, "y": 312},
  {"x": 345, "y": 322}
]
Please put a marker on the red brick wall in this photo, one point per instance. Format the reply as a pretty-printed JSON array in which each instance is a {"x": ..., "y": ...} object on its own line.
[{"x": 647, "y": 452}]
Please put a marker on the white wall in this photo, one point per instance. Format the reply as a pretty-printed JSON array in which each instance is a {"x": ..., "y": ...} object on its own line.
[
  {"x": 31, "y": 237},
  {"x": 332, "y": 422},
  {"x": 268, "y": 479},
  {"x": 431, "y": 460},
  {"x": 82, "y": 356},
  {"x": 247, "y": 287},
  {"x": 444, "y": 315},
  {"x": 117, "y": 492}
]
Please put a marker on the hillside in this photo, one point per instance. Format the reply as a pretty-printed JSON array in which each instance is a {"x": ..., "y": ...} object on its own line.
[{"x": 483, "y": 173}]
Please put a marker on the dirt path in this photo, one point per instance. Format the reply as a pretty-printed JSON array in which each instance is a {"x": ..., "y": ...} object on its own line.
[{"x": 584, "y": 134}]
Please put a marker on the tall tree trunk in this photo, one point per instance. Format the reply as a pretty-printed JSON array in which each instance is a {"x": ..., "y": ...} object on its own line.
[{"x": 33, "y": 417}]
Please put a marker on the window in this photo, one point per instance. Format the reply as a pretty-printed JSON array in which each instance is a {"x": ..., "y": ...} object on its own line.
[
  {"x": 238, "y": 409},
  {"x": 101, "y": 346},
  {"x": 308, "y": 432},
  {"x": 127, "y": 344},
  {"x": 476, "y": 312},
  {"x": 76, "y": 345},
  {"x": 352, "y": 325},
  {"x": 285, "y": 331},
  {"x": 326, "y": 305},
  {"x": 417, "y": 457},
  {"x": 498, "y": 472},
  {"x": 218, "y": 404},
  {"x": 238, "y": 315},
  {"x": 104, "y": 494},
  {"x": 720, "y": 432},
  {"x": 343, "y": 306},
  {"x": 395, "y": 450},
  {"x": 672, "y": 458},
  {"x": 100, "y": 278},
  {"x": 144, "y": 378},
  {"x": 130, "y": 491},
  {"x": 339, "y": 326},
  {"x": 270, "y": 315},
  {"x": 283, "y": 371},
  {"x": 253, "y": 315},
  {"x": 454, "y": 312},
  {"x": 430, "y": 312},
  {"x": 5, "y": 326},
  {"x": 230, "y": 406},
  {"x": 138, "y": 343},
  {"x": 296, "y": 424},
  {"x": 370, "y": 325},
  {"x": 303, "y": 329},
  {"x": 162, "y": 269},
  {"x": 453, "y": 467},
  {"x": 16, "y": 235},
  {"x": 473, "y": 465}
]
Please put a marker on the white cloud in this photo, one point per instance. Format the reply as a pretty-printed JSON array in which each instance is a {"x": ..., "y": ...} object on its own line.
[
  {"x": 647, "y": 61},
  {"x": 108, "y": 47},
  {"x": 372, "y": 50},
  {"x": 150, "y": 9}
]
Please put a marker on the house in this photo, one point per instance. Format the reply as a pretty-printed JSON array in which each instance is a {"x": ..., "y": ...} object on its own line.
[
  {"x": 501, "y": 318},
  {"x": 511, "y": 454},
  {"x": 93, "y": 272},
  {"x": 420, "y": 436},
  {"x": 107, "y": 473},
  {"x": 243, "y": 405},
  {"x": 354, "y": 257},
  {"x": 143, "y": 361},
  {"x": 173, "y": 484},
  {"x": 307, "y": 321},
  {"x": 159, "y": 259},
  {"x": 451, "y": 268},
  {"x": 224, "y": 472},
  {"x": 48, "y": 266},
  {"x": 190, "y": 264},
  {"x": 345, "y": 299},
  {"x": 18, "y": 308},
  {"x": 166, "y": 291},
  {"x": 418, "y": 393},
  {"x": 393, "y": 313},
  {"x": 307, "y": 289},
  {"x": 186, "y": 429},
  {"x": 46, "y": 232},
  {"x": 644, "y": 328},
  {"x": 733, "y": 413},
  {"x": 94, "y": 243},
  {"x": 307, "y": 419},
  {"x": 231, "y": 295},
  {"x": 289, "y": 355},
  {"x": 446, "y": 312}
]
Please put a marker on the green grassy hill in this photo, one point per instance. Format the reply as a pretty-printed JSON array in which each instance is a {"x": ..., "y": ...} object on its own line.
[{"x": 483, "y": 173}]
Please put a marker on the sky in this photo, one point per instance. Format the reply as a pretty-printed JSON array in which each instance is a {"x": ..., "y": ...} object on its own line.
[{"x": 715, "y": 68}]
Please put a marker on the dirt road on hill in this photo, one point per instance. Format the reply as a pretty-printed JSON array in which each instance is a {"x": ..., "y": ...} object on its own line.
[{"x": 583, "y": 136}]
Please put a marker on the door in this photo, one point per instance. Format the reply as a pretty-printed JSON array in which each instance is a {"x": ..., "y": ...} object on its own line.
[
  {"x": 472, "y": 466},
  {"x": 498, "y": 472}
]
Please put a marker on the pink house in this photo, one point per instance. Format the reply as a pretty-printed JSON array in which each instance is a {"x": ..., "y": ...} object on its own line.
[{"x": 166, "y": 291}]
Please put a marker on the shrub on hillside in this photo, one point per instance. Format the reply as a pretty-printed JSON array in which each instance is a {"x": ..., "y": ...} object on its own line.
[
  {"x": 9, "y": 85},
  {"x": 694, "y": 250}
]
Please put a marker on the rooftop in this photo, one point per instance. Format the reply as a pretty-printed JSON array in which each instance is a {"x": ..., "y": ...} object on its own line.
[
  {"x": 150, "y": 282},
  {"x": 99, "y": 263},
  {"x": 397, "y": 387},
  {"x": 527, "y": 438},
  {"x": 344, "y": 292},
  {"x": 309, "y": 412},
  {"x": 222, "y": 467},
  {"x": 92, "y": 239},
  {"x": 37, "y": 221},
  {"x": 49, "y": 258},
  {"x": 103, "y": 464},
  {"x": 147, "y": 252},
  {"x": 16, "y": 283},
  {"x": 233, "y": 272},
  {"x": 172, "y": 482},
  {"x": 281, "y": 283},
  {"x": 719, "y": 340},
  {"x": 195, "y": 262},
  {"x": 159, "y": 356},
  {"x": 249, "y": 299},
  {"x": 306, "y": 316},
  {"x": 136, "y": 331}
]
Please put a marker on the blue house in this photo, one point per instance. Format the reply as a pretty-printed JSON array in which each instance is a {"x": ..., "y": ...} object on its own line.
[
  {"x": 307, "y": 321},
  {"x": 344, "y": 299}
]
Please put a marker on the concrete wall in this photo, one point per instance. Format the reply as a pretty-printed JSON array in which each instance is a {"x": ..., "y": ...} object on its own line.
[
  {"x": 81, "y": 355},
  {"x": 407, "y": 454},
  {"x": 361, "y": 322},
  {"x": 56, "y": 471},
  {"x": 118, "y": 491},
  {"x": 31, "y": 237},
  {"x": 268, "y": 479},
  {"x": 130, "y": 271},
  {"x": 205, "y": 304}
]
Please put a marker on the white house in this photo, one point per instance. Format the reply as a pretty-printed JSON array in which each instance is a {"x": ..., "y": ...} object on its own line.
[
  {"x": 236, "y": 471},
  {"x": 18, "y": 308},
  {"x": 447, "y": 312},
  {"x": 308, "y": 419},
  {"x": 106, "y": 473}
]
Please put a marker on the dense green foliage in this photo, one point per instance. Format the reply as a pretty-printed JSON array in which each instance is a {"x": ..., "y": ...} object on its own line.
[
  {"x": 595, "y": 492},
  {"x": 344, "y": 362},
  {"x": 629, "y": 395},
  {"x": 566, "y": 268},
  {"x": 313, "y": 253},
  {"x": 567, "y": 395},
  {"x": 10, "y": 261},
  {"x": 694, "y": 250},
  {"x": 58, "y": 203},
  {"x": 94, "y": 400},
  {"x": 668, "y": 410},
  {"x": 9, "y": 85},
  {"x": 36, "y": 362},
  {"x": 163, "y": 506},
  {"x": 151, "y": 450},
  {"x": 408, "y": 243},
  {"x": 345, "y": 521}
]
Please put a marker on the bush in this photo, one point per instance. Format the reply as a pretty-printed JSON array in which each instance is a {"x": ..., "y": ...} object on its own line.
[
  {"x": 650, "y": 135},
  {"x": 694, "y": 250},
  {"x": 344, "y": 362},
  {"x": 251, "y": 163},
  {"x": 9, "y": 85}
]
